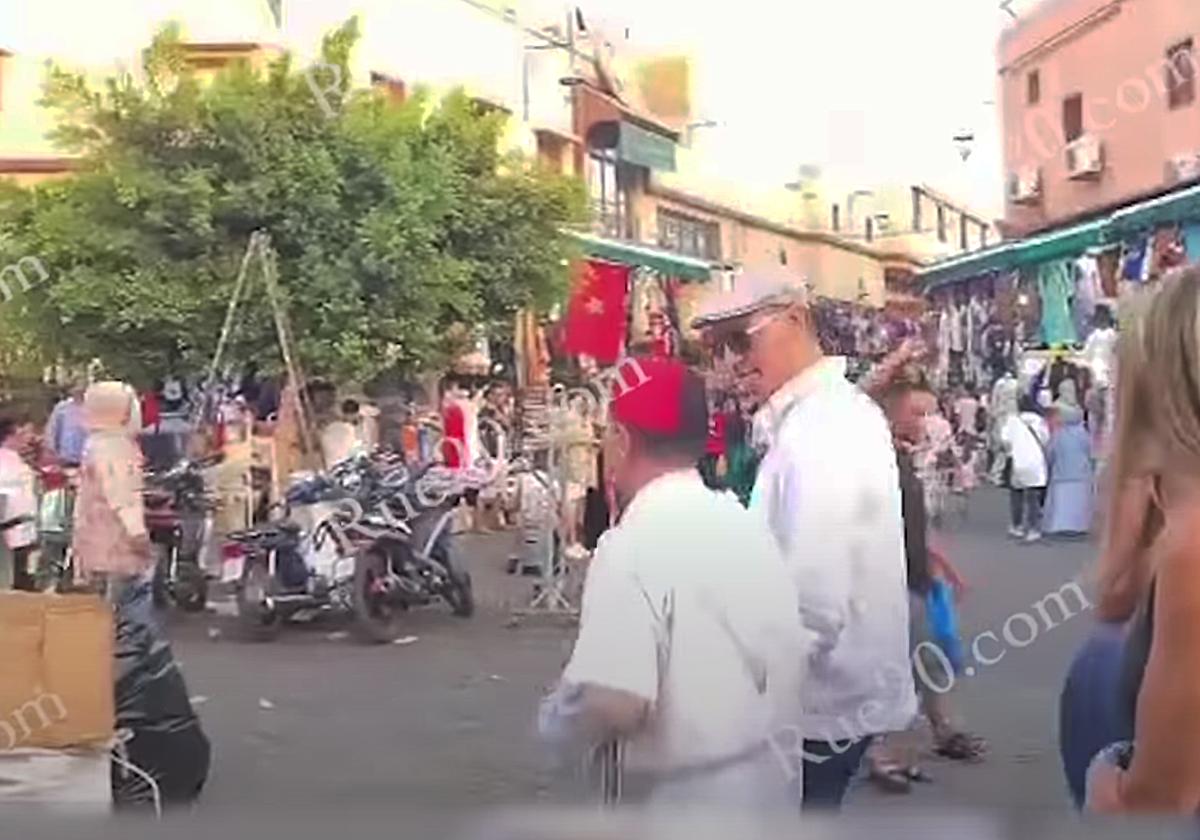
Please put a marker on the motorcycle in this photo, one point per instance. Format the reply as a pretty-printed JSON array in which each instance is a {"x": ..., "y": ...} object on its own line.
[
  {"x": 414, "y": 542},
  {"x": 179, "y": 512},
  {"x": 365, "y": 559},
  {"x": 281, "y": 569}
]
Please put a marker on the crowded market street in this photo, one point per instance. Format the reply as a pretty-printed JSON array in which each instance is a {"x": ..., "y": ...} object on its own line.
[
  {"x": 521, "y": 419},
  {"x": 455, "y": 735}
]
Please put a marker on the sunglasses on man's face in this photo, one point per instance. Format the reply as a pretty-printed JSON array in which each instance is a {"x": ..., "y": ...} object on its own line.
[{"x": 741, "y": 340}]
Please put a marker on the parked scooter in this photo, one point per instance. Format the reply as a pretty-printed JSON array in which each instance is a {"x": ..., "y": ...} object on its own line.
[
  {"x": 411, "y": 524},
  {"x": 281, "y": 569},
  {"x": 386, "y": 547},
  {"x": 179, "y": 517}
]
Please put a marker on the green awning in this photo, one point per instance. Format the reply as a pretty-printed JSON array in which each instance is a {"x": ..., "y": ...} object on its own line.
[
  {"x": 645, "y": 148},
  {"x": 1172, "y": 208},
  {"x": 1059, "y": 244},
  {"x": 645, "y": 256},
  {"x": 1182, "y": 205},
  {"x": 1054, "y": 245}
]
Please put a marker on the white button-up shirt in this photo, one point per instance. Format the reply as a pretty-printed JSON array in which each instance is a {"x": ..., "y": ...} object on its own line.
[
  {"x": 688, "y": 606},
  {"x": 829, "y": 488}
]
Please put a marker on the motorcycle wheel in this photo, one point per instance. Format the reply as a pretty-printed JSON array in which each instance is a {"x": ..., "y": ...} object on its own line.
[
  {"x": 459, "y": 593},
  {"x": 191, "y": 590},
  {"x": 374, "y": 609},
  {"x": 258, "y": 621}
]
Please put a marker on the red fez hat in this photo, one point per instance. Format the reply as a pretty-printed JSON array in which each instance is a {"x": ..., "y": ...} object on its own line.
[{"x": 651, "y": 400}]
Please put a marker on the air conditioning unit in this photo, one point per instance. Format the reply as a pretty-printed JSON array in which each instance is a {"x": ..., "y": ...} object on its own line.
[
  {"x": 1085, "y": 157},
  {"x": 1025, "y": 186},
  {"x": 1183, "y": 168}
]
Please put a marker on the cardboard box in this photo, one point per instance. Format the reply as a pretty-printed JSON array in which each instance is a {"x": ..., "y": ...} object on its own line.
[{"x": 56, "y": 672}]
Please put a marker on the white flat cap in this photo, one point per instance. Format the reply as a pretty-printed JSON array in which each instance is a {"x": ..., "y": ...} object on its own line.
[{"x": 752, "y": 291}]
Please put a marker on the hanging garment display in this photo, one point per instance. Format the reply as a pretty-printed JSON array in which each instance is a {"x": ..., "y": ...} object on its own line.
[
  {"x": 1167, "y": 252},
  {"x": 998, "y": 348},
  {"x": 943, "y": 345},
  {"x": 1087, "y": 293},
  {"x": 1005, "y": 300},
  {"x": 645, "y": 300},
  {"x": 1191, "y": 241},
  {"x": 957, "y": 343},
  {"x": 1029, "y": 309},
  {"x": 1108, "y": 266},
  {"x": 980, "y": 311},
  {"x": 1055, "y": 287},
  {"x": 1135, "y": 264}
]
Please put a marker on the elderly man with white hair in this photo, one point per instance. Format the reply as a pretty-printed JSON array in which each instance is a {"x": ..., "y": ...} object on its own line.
[{"x": 828, "y": 489}]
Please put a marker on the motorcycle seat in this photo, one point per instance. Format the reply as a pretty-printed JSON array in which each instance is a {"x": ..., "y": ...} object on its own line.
[{"x": 266, "y": 533}]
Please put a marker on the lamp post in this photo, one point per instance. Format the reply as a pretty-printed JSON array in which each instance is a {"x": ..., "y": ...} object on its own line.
[
  {"x": 690, "y": 130},
  {"x": 850, "y": 206},
  {"x": 965, "y": 142},
  {"x": 807, "y": 176}
]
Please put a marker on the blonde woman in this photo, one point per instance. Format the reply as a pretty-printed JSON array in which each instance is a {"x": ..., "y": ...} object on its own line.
[{"x": 1149, "y": 566}]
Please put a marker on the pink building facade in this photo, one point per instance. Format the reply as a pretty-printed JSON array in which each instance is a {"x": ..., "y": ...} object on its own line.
[{"x": 1100, "y": 107}]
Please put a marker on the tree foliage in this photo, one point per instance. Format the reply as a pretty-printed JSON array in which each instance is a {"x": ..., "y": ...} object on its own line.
[{"x": 391, "y": 221}]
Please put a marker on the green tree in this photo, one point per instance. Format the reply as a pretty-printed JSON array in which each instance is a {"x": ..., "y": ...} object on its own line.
[{"x": 391, "y": 222}]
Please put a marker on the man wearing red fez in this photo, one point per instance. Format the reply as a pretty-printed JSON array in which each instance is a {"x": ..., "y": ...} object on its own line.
[
  {"x": 828, "y": 489},
  {"x": 690, "y": 646}
]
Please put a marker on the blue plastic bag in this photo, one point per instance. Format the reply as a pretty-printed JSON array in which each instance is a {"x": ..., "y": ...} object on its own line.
[{"x": 943, "y": 622}]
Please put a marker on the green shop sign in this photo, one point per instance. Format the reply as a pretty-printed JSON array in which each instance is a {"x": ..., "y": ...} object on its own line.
[{"x": 645, "y": 148}]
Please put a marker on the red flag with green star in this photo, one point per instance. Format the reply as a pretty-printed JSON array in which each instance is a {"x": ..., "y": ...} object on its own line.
[{"x": 596, "y": 313}]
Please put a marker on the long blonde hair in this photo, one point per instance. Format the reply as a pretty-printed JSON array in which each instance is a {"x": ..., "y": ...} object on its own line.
[
  {"x": 1158, "y": 390},
  {"x": 1157, "y": 428}
]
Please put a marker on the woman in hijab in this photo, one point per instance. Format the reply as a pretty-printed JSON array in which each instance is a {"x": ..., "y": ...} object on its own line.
[
  {"x": 1069, "y": 497},
  {"x": 111, "y": 545}
]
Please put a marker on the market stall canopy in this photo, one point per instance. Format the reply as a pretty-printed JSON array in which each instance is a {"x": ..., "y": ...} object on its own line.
[
  {"x": 645, "y": 256},
  {"x": 1173, "y": 208},
  {"x": 1053, "y": 245}
]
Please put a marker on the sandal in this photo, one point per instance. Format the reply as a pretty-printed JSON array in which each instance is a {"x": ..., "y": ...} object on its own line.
[
  {"x": 889, "y": 777},
  {"x": 916, "y": 774},
  {"x": 960, "y": 746}
]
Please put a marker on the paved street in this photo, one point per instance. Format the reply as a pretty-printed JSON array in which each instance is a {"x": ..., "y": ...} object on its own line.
[{"x": 445, "y": 722}]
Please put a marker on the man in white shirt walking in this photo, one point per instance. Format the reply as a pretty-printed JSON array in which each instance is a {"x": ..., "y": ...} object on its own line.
[
  {"x": 828, "y": 488},
  {"x": 690, "y": 648}
]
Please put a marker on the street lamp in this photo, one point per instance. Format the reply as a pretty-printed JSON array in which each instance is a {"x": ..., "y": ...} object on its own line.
[
  {"x": 850, "y": 206},
  {"x": 691, "y": 128},
  {"x": 965, "y": 141}
]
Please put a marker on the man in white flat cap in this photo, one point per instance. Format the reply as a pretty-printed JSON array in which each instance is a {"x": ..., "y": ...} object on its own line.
[{"x": 828, "y": 488}]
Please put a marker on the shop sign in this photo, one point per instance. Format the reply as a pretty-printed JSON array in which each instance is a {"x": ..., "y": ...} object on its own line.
[{"x": 645, "y": 148}]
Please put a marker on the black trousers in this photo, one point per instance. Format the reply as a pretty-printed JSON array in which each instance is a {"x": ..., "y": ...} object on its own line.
[{"x": 23, "y": 579}]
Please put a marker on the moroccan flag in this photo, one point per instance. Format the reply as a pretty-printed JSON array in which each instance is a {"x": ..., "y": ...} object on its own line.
[{"x": 596, "y": 313}]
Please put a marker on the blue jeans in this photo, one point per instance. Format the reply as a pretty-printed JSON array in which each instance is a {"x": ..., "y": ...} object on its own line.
[
  {"x": 826, "y": 782},
  {"x": 1089, "y": 718}
]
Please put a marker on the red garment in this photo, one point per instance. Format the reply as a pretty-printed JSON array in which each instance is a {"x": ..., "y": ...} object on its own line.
[
  {"x": 454, "y": 436},
  {"x": 596, "y": 314},
  {"x": 150, "y": 411},
  {"x": 716, "y": 434}
]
